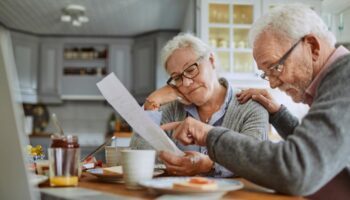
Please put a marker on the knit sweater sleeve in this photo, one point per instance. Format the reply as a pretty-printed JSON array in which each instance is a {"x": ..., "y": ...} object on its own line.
[
  {"x": 255, "y": 124},
  {"x": 284, "y": 122}
]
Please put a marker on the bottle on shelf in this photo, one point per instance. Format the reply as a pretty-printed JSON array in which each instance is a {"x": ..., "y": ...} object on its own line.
[{"x": 111, "y": 125}]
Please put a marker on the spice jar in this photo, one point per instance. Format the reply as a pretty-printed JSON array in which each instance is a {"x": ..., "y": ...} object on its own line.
[{"x": 64, "y": 158}]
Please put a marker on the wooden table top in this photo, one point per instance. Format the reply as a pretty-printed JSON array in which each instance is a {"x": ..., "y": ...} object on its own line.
[{"x": 250, "y": 190}]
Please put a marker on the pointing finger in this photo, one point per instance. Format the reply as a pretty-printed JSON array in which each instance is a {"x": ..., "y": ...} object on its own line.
[{"x": 170, "y": 126}]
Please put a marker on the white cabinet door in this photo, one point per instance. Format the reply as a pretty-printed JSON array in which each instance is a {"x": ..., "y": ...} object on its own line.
[
  {"x": 161, "y": 74},
  {"x": 148, "y": 72},
  {"x": 143, "y": 68},
  {"x": 50, "y": 71},
  {"x": 119, "y": 62},
  {"x": 26, "y": 58}
]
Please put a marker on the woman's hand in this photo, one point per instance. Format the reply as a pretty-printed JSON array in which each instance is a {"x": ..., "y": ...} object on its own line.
[
  {"x": 191, "y": 164},
  {"x": 189, "y": 131},
  {"x": 262, "y": 96},
  {"x": 163, "y": 95}
]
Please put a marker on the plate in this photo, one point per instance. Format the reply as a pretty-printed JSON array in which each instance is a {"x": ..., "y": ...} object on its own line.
[
  {"x": 98, "y": 172},
  {"x": 37, "y": 179},
  {"x": 164, "y": 185}
]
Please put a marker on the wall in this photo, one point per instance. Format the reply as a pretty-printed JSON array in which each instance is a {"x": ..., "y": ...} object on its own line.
[{"x": 86, "y": 119}]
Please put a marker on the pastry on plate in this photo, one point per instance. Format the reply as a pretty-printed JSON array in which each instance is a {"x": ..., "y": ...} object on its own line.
[
  {"x": 115, "y": 170},
  {"x": 199, "y": 183}
]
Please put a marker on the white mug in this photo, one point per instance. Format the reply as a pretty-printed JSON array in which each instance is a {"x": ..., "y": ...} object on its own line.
[{"x": 137, "y": 165}]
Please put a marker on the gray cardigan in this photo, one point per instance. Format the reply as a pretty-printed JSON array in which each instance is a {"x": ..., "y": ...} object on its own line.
[
  {"x": 314, "y": 151},
  {"x": 249, "y": 119}
]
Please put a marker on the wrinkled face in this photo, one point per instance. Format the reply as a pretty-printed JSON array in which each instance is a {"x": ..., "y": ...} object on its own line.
[
  {"x": 199, "y": 89},
  {"x": 296, "y": 74}
]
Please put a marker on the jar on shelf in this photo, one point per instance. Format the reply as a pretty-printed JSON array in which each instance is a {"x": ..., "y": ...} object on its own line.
[
  {"x": 68, "y": 53},
  {"x": 75, "y": 53}
]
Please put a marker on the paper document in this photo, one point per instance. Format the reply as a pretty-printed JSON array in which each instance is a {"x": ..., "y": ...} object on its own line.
[{"x": 123, "y": 102}]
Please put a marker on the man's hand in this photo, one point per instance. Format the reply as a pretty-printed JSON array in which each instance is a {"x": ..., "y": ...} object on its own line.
[
  {"x": 189, "y": 131},
  {"x": 261, "y": 96},
  {"x": 191, "y": 164}
]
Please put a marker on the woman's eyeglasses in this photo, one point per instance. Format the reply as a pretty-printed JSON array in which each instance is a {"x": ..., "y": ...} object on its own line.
[{"x": 190, "y": 72}]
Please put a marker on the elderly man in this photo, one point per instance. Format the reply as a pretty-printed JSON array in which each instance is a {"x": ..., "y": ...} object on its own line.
[{"x": 296, "y": 52}]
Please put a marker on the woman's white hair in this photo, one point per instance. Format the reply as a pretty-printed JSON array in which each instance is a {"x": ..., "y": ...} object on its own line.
[
  {"x": 183, "y": 40},
  {"x": 293, "y": 21}
]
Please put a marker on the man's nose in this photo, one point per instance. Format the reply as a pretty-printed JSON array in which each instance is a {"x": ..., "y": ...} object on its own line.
[
  {"x": 186, "y": 81},
  {"x": 274, "y": 82}
]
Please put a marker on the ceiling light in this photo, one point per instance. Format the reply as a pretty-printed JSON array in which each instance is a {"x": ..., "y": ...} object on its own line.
[
  {"x": 66, "y": 18},
  {"x": 76, "y": 22},
  {"x": 83, "y": 19},
  {"x": 74, "y": 14}
]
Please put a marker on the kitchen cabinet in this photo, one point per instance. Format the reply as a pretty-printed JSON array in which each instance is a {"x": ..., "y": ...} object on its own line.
[
  {"x": 148, "y": 73},
  {"x": 72, "y": 75},
  {"x": 336, "y": 14},
  {"x": 25, "y": 49},
  {"x": 50, "y": 68},
  {"x": 82, "y": 69},
  {"x": 224, "y": 25},
  {"x": 86, "y": 61}
]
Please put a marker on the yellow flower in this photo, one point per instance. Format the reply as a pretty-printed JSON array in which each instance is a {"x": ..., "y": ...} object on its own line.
[
  {"x": 29, "y": 149},
  {"x": 35, "y": 151}
]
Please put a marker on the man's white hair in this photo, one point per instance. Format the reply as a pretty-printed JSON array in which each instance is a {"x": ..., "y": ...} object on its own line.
[
  {"x": 183, "y": 40},
  {"x": 293, "y": 21}
]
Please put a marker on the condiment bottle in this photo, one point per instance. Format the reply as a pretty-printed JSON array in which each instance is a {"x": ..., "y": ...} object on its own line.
[{"x": 64, "y": 158}]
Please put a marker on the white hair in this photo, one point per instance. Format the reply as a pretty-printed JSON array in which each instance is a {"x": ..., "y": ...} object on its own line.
[
  {"x": 293, "y": 21},
  {"x": 183, "y": 40}
]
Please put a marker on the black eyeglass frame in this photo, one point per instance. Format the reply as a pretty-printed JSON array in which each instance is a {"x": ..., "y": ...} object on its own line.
[
  {"x": 182, "y": 74},
  {"x": 280, "y": 64}
]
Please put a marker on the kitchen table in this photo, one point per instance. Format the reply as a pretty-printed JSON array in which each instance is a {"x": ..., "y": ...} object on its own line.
[{"x": 249, "y": 191}]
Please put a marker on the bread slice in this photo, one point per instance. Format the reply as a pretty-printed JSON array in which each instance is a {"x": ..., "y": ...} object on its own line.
[{"x": 115, "y": 170}]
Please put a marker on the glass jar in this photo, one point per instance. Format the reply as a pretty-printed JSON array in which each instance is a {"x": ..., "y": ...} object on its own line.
[{"x": 64, "y": 158}]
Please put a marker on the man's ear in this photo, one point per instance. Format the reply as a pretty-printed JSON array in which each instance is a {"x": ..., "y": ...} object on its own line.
[{"x": 314, "y": 43}]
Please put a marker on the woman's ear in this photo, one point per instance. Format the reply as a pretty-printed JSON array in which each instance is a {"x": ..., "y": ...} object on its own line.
[
  {"x": 314, "y": 43},
  {"x": 212, "y": 60}
]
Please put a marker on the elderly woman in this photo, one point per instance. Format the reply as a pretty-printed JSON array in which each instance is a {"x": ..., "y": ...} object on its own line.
[{"x": 194, "y": 91}]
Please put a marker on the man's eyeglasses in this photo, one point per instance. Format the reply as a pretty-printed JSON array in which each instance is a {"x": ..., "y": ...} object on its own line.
[
  {"x": 190, "y": 72},
  {"x": 277, "y": 68}
]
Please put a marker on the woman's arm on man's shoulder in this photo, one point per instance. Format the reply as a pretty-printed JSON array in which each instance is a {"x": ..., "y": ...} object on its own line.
[{"x": 279, "y": 116}]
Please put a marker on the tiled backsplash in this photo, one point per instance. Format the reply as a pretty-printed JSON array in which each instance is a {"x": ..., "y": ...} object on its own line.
[{"x": 86, "y": 119}]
